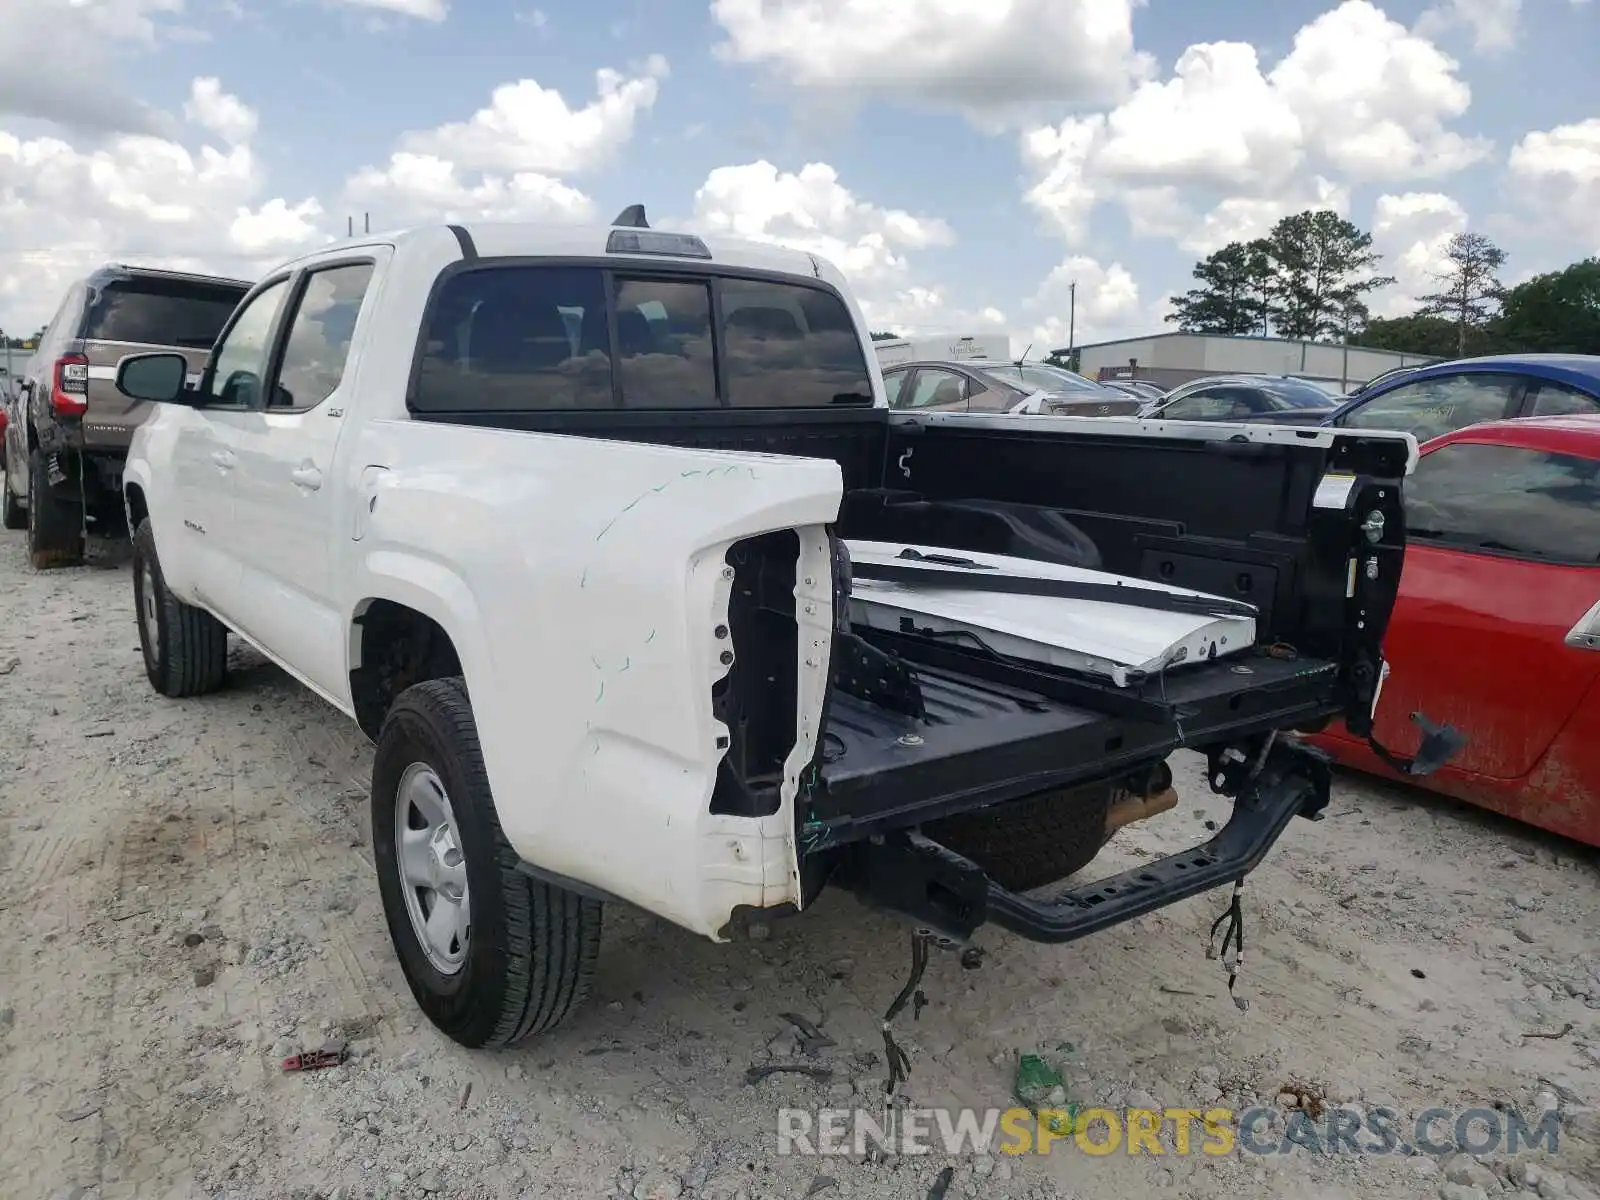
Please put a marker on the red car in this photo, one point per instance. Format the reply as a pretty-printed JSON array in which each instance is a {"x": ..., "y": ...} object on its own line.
[{"x": 1497, "y": 628}]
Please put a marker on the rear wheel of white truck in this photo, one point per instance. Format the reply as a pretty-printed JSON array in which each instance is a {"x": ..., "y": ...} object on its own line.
[
  {"x": 491, "y": 954},
  {"x": 185, "y": 648}
]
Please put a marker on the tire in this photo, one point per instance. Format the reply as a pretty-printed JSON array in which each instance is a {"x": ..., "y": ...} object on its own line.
[
  {"x": 55, "y": 525},
  {"x": 1027, "y": 843},
  {"x": 12, "y": 514},
  {"x": 526, "y": 951},
  {"x": 185, "y": 648}
]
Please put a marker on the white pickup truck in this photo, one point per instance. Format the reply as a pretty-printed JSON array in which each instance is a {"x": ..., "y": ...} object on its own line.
[{"x": 608, "y": 539}]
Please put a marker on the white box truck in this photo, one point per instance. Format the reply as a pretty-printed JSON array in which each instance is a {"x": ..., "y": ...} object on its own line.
[{"x": 950, "y": 347}]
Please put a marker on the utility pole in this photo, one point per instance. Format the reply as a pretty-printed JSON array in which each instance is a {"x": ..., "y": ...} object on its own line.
[
  {"x": 1072, "y": 321},
  {"x": 1344, "y": 371}
]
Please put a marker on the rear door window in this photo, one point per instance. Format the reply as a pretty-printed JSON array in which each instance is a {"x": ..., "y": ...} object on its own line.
[
  {"x": 894, "y": 383},
  {"x": 1550, "y": 399},
  {"x": 1506, "y": 500},
  {"x": 160, "y": 312},
  {"x": 1211, "y": 404},
  {"x": 1430, "y": 408},
  {"x": 941, "y": 390},
  {"x": 991, "y": 397}
]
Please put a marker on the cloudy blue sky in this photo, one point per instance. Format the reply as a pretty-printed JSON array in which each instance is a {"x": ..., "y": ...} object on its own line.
[{"x": 962, "y": 160}]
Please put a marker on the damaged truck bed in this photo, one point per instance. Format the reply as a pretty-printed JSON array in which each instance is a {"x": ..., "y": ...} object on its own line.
[{"x": 1072, "y": 602}]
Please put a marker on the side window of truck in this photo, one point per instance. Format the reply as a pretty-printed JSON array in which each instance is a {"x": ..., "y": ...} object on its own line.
[
  {"x": 319, "y": 336},
  {"x": 240, "y": 359}
]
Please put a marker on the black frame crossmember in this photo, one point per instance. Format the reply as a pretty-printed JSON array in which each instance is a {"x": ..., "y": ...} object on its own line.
[{"x": 951, "y": 897}]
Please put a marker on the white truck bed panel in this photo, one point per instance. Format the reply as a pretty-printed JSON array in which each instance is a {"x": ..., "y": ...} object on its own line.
[{"x": 1091, "y": 636}]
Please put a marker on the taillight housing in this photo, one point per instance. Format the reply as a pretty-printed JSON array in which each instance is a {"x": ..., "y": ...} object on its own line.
[{"x": 69, "y": 391}]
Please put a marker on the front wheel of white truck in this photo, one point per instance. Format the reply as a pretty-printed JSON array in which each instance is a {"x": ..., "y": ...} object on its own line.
[{"x": 491, "y": 954}]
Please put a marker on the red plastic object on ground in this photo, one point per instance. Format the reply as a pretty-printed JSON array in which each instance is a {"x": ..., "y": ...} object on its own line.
[{"x": 332, "y": 1054}]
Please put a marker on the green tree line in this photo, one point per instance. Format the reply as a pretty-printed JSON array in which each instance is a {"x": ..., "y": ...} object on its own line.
[{"x": 1310, "y": 278}]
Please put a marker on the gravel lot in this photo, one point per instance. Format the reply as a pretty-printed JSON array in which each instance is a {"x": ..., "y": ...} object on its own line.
[{"x": 187, "y": 896}]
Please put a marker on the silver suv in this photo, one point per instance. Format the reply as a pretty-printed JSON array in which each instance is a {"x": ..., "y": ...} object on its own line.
[{"x": 69, "y": 428}]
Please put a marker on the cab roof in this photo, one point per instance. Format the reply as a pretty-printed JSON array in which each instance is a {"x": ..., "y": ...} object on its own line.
[{"x": 524, "y": 239}]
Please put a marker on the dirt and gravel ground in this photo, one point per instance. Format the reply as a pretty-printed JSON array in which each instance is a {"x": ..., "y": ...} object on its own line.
[{"x": 186, "y": 896}]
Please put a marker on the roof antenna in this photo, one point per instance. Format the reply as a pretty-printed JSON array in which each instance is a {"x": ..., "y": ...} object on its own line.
[
  {"x": 1024, "y": 357},
  {"x": 631, "y": 217}
]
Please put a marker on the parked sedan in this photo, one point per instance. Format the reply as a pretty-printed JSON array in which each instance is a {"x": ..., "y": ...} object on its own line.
[
  {"x": 975, "y": 385},
  {"x": 1437, "y": 399},
  {"x": 1497, "y": 626},
  {"x": 1257, "y": 399}
]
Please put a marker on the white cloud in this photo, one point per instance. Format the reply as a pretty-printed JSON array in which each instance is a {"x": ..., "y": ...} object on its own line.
[
  {"x": 422, "y": 187},
  {"x": 810, "y": 209},
  {"x": 527, "y": 127},
  {"x": 1058, "y": 157},
  {"x": 66, "y": 208},
  {"x": 990, "y": 58},
  {"x": 1556, "y": 172},
  {"x": 1411, "y": 231},
  {"x": 42, "y": 36},
  {"x": 214, "y": 109},
  {"x": 1374, "y": 97},
  {"x": 506, "y": 162},
  {"x": 422, "y": 10},
  {"x": 1494, "y": 24},
  {"x": 1357, "y": 98},
  {"x": 1217, "y": 122}
]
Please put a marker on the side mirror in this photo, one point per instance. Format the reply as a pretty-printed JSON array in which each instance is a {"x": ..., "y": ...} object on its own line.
[{"x": 156, "y": 377}]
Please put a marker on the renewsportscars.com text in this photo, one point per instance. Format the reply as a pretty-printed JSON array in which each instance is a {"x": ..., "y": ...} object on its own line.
[{"x": 1176, "y": 1131}]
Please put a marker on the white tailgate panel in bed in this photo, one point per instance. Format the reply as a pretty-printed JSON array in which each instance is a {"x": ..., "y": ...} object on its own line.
[{"x": 1093, "y": 636}]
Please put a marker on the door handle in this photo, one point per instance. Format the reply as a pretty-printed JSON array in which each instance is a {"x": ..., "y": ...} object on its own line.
[
  {"x": 306, "y": 476},
  {"x": 224, "y": 460}
]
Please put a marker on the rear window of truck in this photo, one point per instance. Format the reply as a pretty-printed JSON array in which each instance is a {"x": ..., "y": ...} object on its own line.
[
  {"x": 537, "y": 338},
  {"x": 160, "y": 312}
]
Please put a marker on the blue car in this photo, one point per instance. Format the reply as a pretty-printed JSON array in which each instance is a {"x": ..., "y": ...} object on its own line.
[{"x": 1437, "y": 399}]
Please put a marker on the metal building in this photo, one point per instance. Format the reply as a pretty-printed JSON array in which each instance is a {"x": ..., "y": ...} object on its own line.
[{"x": 1168, "y": 359}]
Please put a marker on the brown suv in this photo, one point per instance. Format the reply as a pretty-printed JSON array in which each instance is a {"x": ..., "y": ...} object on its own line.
[{"x": 69, "y": 427}]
